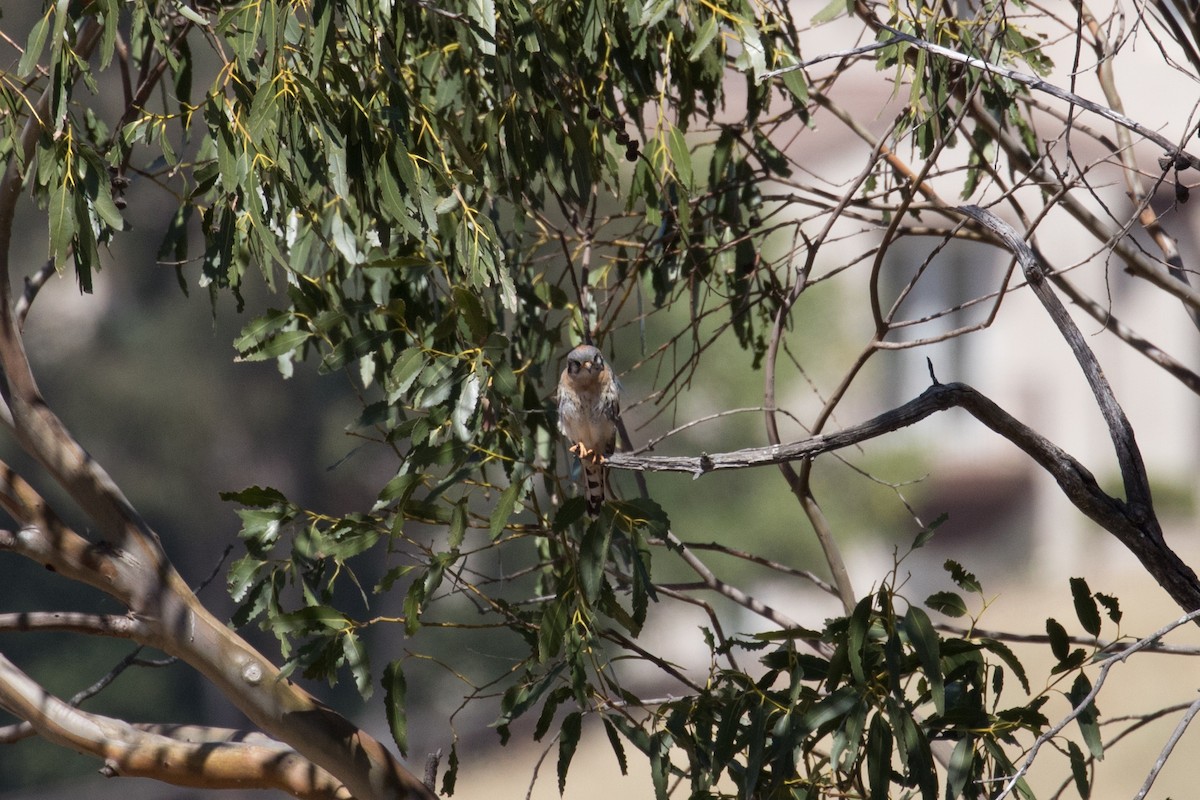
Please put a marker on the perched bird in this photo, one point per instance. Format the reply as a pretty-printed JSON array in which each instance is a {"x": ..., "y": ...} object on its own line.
[{"x": 588, "y": 407}]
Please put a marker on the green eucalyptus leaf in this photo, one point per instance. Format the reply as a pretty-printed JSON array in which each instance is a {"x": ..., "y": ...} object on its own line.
[
  {"x": 949, "y": 603},
  {"x": 1060, "y": 643},
  {"x": 593, "y": 557},
  {"x": 833, "y": 10},
  {"x": 705, "y": 36},
  {"x": 568, "y": 741},
  {"x": 504, "y": 507},
  {"x": 311, "y": 618},
  {"x": 554, "y": 621},
  {"x": 681, "y": 157},
  {"x": 1087, "y": 716},
  {"x": 927, "y": 645},
  {"x": 1086, "y": 609},
  {"x": 62, "y": 220},
  {"x": 965, "y": 580},
  {"x": 395, "y": 688},
  {"x": 1079, "y": 770},
  {"x": 614, "y": 741},
  {"x": 860, "y": 626},
  {"x": 36, "y": 42},
  {"x": 879, "y": 756},
  {"x": 1112, "y": 606},
  {"x": 1009, "y": 657},
  {"x": 959, "y": 773},
  {"x": 458, "y": 525},
  {"x": 358, "y": 662},
  {"x": 555, "y": 699}
]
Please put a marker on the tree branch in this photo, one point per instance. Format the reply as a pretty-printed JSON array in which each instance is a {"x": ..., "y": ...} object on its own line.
[
  {"x": 247, "y": 678},
  {"x": 1165, "y": 754},
  {"x": 727, "y": 590},
  {"x": 130, "y": 564},
  {"x": 936, "y": 398},
  {"x": 1111, "y": 323},
  {"x": 1129, "y": 167},
  {"x": 1139, "y": 263},
  {"x": 1133, "y": 470},
  {"x": 119, "y": 626},
  {"x": 1130, "y": 526},
  {"x": 1106, "y": 665},
  {"x": 1178, "y": 156},
  {"x": 215, "y": 762}
]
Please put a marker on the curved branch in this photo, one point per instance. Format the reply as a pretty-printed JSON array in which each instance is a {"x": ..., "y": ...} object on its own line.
[
  {"x": 754, "y": 558},
  {"x": 33, "y": 285},
  {"x": 1168, "y": 274},
  {"x": 1133, "y": 470},
  {"x": 1103, "y": 646},
  {"x": 217, "y": 762},
  {"x": 1139, "y": 343},
  {"x": 936, "y": 398},
  {"x": 130, "y": 564},
  {"x": 1128, "y": 523},
  {"x": 1160, "y": 762},
  {"x": 247, "y": 678},
  {"x": 799, "y": 483}
]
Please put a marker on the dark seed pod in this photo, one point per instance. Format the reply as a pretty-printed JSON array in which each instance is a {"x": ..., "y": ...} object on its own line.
[
  {"x": 622, "y": 137},
  {"x": 631, "y": 155},
  {"x": 593, "y": 113},
  {"x": 1181, "y": 193}
]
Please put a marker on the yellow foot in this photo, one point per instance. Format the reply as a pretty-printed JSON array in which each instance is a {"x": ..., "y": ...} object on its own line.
[{"x": 594, "y": 456}]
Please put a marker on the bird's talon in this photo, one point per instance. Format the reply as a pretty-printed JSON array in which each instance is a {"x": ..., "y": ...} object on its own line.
[{"x": 594, "y": 456}]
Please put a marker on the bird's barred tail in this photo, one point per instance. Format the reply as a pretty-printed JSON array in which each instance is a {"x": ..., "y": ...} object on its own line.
[{"x": 593, "y": 490}]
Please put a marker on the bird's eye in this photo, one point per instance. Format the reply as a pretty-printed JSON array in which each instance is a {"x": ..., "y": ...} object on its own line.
[{"x": 599, "y": 361}]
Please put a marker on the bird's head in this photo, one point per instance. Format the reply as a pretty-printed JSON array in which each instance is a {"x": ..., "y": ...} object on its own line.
[{"x": 585, "y": 362}]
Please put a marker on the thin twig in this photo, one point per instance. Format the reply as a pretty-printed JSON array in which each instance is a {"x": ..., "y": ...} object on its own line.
[
  {"x": 1161, "y": 761},
  {"x": 721, "y": 587},
  {"x": 1133, "y": 179},
  {"x": 1085, "y": 641},
  {"x": 33, "y": 285},
  {"x": 1032, "y": 81},
  {"x": 1087, "y": 700},
  {"x": 765, "y": 562}
]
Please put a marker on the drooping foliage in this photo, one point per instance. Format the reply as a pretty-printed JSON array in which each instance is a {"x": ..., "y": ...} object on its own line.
[{"x": 445, "y": 197}]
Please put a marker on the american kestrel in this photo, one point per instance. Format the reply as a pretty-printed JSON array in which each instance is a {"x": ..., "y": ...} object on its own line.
[{"x": 588, "y": 407}]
